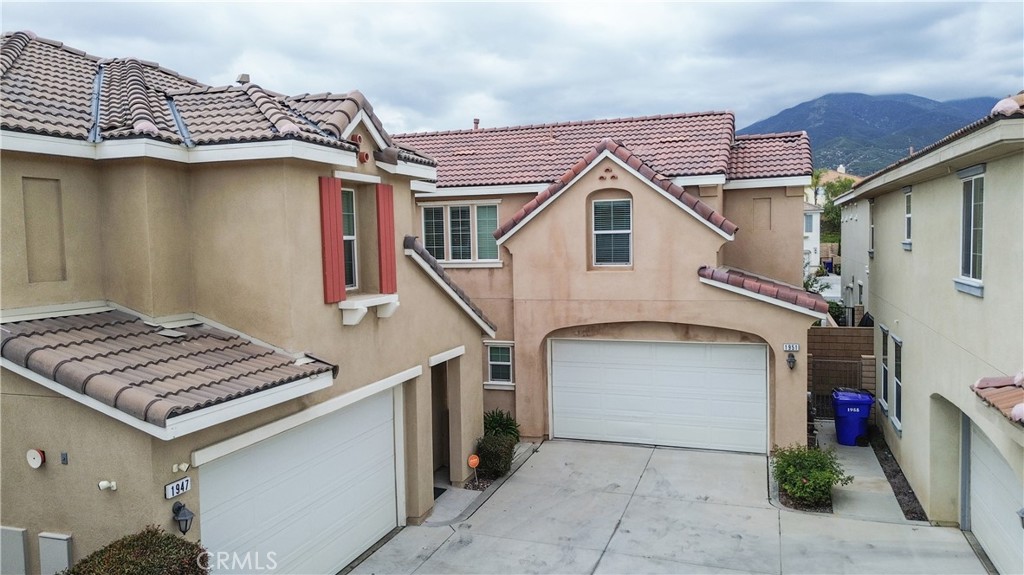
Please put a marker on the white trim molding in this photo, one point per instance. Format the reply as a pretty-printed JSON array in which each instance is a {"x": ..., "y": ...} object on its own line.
[
  {"x": 362, "y": 119},
  {"x": 446, "y": 355},
  {"x": 451, "y": 293},
  {"x": 233, "y": 444},
  {"x": 357, "y": 177},
  {"x": 354, "y": 308},
  {"x": 782, "y": 182},
  {"x": 452, "y": 202},
  {"x": 764, "y": 298},
  {"x": 708, "y": 180},
  {"x": 463, "y": 191},
  {"x": 413, "y": 170},
  {"x": 425, "y": 187}
]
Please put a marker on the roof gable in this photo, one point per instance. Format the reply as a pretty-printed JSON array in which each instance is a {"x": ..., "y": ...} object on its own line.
[
  {"x": 618, "y": 153},
  {"x": 764, "y": 289},
  {"x": 418, "y": 252}
]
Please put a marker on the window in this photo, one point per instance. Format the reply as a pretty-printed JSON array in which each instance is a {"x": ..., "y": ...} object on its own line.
[
  {"x": 613, "y": 232},
  {"x": 860, "y": 293},
  {"x": 808, "y": 223},
  {"x": 906, "y": 216},
  {"x": 972, "y": 227},
  {"x": 348, "y": 218},
  {"x": 499, "y": 363},
  {"x": 897, "y": 382},
  {"x": 461, "y": 232},
  {"x": 885, "y": 368},
  {"x": 871, "y": 228}
]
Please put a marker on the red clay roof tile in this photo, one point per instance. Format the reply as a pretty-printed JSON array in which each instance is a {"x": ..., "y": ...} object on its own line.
[
  {"x": 770, "y": 156},
  {"x": 117, "y": 359},
  {"x": 1005, "y": 393},
  {"x": 765, "y": 287}
]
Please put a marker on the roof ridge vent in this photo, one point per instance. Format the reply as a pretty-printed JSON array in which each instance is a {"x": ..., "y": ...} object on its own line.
[
  {"x": 13, "y": 48},
  {"x": 139, "y": 110}
]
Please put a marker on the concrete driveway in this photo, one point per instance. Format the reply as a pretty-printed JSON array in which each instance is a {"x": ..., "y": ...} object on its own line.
[{"x": 578, "y": 507}]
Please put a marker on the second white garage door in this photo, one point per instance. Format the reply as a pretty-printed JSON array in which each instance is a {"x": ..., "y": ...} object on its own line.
[
  {"x": 315, "y": 496},
  {"x": 996, "y": 495},
  {"x": 711, "y": 396}
]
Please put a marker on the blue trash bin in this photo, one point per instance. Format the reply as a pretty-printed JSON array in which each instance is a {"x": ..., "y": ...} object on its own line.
[{"x": 852, "y": 408}]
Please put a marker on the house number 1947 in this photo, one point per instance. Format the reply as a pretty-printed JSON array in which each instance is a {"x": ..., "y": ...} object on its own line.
[{"x": 172, "y": 490}]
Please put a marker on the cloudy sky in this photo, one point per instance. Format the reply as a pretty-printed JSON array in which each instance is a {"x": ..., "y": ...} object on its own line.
[{"x": 436, "y": 66}]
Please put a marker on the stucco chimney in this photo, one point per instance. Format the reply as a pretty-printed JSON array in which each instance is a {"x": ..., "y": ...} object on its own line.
[{"x": 476, "y": 123}]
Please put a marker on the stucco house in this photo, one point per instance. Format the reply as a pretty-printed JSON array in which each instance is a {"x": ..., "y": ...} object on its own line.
[
  {"x": 812, "y": 238},
  {"x": 940, "y": 231},
  {"x": 644, "y": 275},
  {"x": 212, "y": 296}
]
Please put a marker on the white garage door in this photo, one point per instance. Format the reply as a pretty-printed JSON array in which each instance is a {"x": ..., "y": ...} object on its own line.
[
  {"x": 996, "y": 495},
  {"x": 710, "y": 396},
  {"x": 315, "y": 496}
]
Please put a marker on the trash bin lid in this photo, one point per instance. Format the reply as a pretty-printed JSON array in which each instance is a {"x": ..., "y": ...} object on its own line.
[{"x": 844, "y": 394}]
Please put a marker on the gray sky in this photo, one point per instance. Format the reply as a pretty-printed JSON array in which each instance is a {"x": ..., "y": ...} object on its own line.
[{"x": 434, "y": 66}]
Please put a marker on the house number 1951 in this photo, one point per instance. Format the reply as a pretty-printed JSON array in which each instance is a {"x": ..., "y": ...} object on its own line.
[{"x": 791, "y": 347}]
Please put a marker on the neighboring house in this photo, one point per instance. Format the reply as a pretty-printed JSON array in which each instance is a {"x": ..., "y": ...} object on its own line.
[
  {"x": 628, "y": 264},
  {"x": 944, "y": 245},
  {"x": 858, "y": 249},
  {"x": 812, "y": 238},
  {"x": 164, "y": 243}
]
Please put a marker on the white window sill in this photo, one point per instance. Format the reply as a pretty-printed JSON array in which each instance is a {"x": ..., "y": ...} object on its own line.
[
  {"x": 500, "y": 385},
  {"x": 355, "y": 308},
  {"x": 883, "y": 406},
  {"x": 897, "y": 426},
  {"x": 969, "y": 286},
  {"x": 908, "y": 245},
  {"x": 470, "y": 264}
]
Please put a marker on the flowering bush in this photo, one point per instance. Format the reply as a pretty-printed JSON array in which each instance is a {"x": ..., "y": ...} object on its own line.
[{"x": 808, "y": 474}]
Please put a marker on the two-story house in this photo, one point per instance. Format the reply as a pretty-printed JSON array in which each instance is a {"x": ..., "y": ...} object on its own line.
[
  {"x": 644, "y": 274},
  {"x": 213, "y": 305},
  {"x": 940, "y": 233}
]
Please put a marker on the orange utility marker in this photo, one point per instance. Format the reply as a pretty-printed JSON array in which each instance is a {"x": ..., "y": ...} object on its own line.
[{"x": 473, "y": 462}]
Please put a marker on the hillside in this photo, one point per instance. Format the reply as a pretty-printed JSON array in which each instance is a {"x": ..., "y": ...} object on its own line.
[{"x": 867, "y": 133}]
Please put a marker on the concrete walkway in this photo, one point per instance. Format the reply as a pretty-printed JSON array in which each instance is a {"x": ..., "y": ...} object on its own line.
[{"x": 580, "y": 507}]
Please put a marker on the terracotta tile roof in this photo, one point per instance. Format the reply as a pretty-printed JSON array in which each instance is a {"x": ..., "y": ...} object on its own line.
[
  {"x": 1003, "y": 393},
  {"x": 413, "y": 243},
  {"x": 633, "y": 161},
  {"x": 145, "y": 371},
  {"x": 765, "y": 287},
  {"x": 49, "y": 88},
  {"x": 673, "y": 145},
  {"x": 770, "y": 156}
]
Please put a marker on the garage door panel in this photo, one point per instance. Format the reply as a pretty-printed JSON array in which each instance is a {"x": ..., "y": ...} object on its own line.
[
  {"x": 666, "y": 393},
  {"x": 996, "y": 495},
  {"x": 316, "y": 495}
]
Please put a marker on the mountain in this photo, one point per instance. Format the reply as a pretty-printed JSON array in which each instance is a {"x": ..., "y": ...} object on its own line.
[{"x": 867, "y": 133}]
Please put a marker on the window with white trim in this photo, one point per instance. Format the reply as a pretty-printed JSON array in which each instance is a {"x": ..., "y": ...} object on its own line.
[
  {"x": 906, "y": 216},
  {"x": 613, "y": 232},
  {"x": 884, "y": 400},
  {"x": 972, "y": 227},
  {"x": 871, "y": 228},
  {"x": 897, "y": 382},
  {"x": 499, "y": 363},
  {"x": 461, "y": 232},
  {"x": 348, "y": 218},
  {"x": 808, "y": 223}
]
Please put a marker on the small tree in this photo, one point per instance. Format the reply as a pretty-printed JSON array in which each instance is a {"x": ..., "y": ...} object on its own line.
[{"x": 831, "y": 218}]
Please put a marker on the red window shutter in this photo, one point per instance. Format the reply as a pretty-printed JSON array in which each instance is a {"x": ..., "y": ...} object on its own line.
[
  {"x": 386, "y": 238},
  {"x": 332, "y": 240}
]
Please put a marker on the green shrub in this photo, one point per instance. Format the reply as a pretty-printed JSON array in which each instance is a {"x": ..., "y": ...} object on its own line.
[
  {"x": 500, "y": 422},
  {"x": 149, "y": 552},
  {"x": 495, "y": 453},
  {"x": 808, "y": 474}
]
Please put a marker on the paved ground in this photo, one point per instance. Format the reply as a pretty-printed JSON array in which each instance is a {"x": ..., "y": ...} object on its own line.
[{"x": 577, "y": 507}]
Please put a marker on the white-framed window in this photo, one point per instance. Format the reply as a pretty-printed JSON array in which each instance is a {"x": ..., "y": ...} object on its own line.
[
  {"x": 897, "y": 382},
  {"x": 871, "y": 228},
  {"x": 906, "y": 215},
  {"x": 613, "y": 232},
  {"x": 461, "y": 232},
  {"x": 500, "y": 360},
  {"x": 808, "y": 224},
  {"x": 972, "y": 227},
  {"x": 884, "y": 397},
  {"x": 348, "y": 222},
  {"x": 860, "y": 293}
]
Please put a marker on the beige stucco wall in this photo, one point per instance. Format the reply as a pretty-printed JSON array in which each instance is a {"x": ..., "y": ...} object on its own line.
[
  {"x": 238, "y": 243},
  {"x": 556, "y": 287},
  {"x": 80, "y": 198},
  {"x": 770, "y": 238},
  {"x": 950, "y": 339}
]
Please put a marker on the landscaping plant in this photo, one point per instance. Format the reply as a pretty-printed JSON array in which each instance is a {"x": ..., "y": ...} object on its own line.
[
  {"x": 148, "y": 552},
  {"x": 500, "y": 422},
  {"x": 808, "y": 474},
  {"x": 495, "y": 453}
]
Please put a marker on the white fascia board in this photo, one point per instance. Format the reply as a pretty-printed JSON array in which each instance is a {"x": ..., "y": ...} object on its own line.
[
  {"x": 147, "y": 148},
  {"x": 451, "y": 293},
  {"x": 768, "y": 183},
  {"x": 364, "y": 120},
  {"x": 425, "y": 189},
  {"x": 763, "y": 298},
  {"x": 357, "y": 177},
  {"x": 189, "y": 422},
  {"x": 446, "y": 355},
  {"x": 432, "y": 201},
  {"x": 414, "y": 171},
  {"x": 58, "y": 310},
  {"x": 486, "y": 191},
  {"x": 231, "y": 445},
  {"x": 708, "y": 180}
]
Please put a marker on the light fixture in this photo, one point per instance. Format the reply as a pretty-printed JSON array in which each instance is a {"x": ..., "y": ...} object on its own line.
[
  {"x": 183, "y": 515},
  {"x": 107, "y": 485},
  {"x": 1020, "y": 513},
  {"x": 791, "y": 361}
]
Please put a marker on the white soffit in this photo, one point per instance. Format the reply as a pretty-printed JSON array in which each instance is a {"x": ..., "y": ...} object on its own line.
[
  {"x": 465, "y": 191},
  {"x": 768, "y": 183}
]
